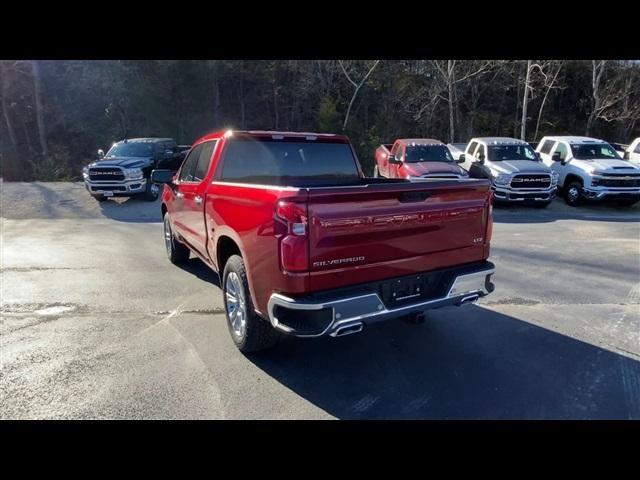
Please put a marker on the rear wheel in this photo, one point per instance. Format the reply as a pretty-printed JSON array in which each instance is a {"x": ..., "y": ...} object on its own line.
[
  {"x": 176, "y": 251},
  {"x": 249, "y": 332},
  {"x": 572, "y": 195}
]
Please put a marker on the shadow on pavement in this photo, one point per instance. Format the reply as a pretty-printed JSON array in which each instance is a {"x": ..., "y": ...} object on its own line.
[
  {"x": 600, "y": 211},
  {"x": 462, "y": 364},
  {"x": 197, "y": 267},
  {"x": 131, "y": 209}
]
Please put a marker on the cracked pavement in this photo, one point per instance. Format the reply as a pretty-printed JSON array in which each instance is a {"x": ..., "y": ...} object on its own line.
[{"x": 96, "y": 323}]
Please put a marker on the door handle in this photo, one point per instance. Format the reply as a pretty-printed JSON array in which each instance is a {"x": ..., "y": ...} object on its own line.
[
  {"x": 179, "y": 194},
  {"x": 198, "y": 200}
]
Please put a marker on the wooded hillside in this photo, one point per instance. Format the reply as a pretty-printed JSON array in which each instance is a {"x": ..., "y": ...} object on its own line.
[{"x": 56, "y": 114}]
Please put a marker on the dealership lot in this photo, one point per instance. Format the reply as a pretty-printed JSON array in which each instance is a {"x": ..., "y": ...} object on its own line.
[{"x": 96, "y": 323}]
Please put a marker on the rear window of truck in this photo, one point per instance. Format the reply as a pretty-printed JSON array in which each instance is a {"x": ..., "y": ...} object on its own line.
[{"x": 288, "y": 163}]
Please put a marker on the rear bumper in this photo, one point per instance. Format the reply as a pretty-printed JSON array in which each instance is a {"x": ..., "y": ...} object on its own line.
[{"x": 334, "y": 312}]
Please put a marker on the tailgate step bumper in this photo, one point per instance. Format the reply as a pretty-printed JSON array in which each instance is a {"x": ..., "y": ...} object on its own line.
[{"x": 330, "y": 312}]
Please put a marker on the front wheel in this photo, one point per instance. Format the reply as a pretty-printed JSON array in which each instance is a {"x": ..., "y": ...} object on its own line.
[
  {"x": 249, "y": 332},
  {"x": 572, "y": 195},
  {"x": 152, "y": 192}
]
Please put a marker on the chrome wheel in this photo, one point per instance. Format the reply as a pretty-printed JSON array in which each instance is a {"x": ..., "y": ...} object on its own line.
[
  {"x": 168, "y": 240},
  {"x": 235, "y": 304},
  {"x": 573, "y": 194}
]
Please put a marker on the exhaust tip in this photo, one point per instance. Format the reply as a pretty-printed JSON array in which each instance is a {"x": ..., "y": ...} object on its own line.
[
  {"x": 469, "y": 299},
  {"x": 348, "y": 329}
]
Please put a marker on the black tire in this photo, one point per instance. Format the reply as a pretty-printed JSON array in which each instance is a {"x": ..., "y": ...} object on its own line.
[
  {"x": 256, "y": 334},
  {"x": 176, "y": 252},
  {"x": 627, "y": 203},
  {"x": 152, "y": 192},
  {"x": 100, "y": 198},
  {"x": 572, "y": 194}
]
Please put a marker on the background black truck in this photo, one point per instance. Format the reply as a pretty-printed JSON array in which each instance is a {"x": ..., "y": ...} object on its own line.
[{"x": 125, "y": 170}]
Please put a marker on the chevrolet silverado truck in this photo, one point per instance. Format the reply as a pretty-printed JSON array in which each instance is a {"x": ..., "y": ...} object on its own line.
[
  {"x": 125, "y": 169},
  {"x": 632, "y": 152},
  {"x": 416, "y": 158},
  {"x": 515, "y": 170},
  {"x": 590, "y": 169},
  {"x": 304, "y": 244}
]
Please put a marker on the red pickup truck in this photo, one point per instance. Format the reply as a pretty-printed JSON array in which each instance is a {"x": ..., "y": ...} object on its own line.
[
  {"x": 416, "y": 158},
  {"x": 304, "y": 244}
]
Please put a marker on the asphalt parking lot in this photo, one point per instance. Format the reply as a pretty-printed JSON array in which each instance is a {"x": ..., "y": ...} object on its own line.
[{"x": 96, "y": 323}]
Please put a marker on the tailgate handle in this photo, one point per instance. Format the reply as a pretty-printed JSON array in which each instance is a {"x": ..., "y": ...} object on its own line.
[{"x": 413, "y": 197}]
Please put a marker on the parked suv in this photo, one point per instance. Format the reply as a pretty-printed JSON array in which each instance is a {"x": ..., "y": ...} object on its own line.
[
  {"x": 590, "y": 169},
  {"x": 125, "y": 169},
  {"x": 516, "y": 172},
  {"x": 306, "y": 245}
]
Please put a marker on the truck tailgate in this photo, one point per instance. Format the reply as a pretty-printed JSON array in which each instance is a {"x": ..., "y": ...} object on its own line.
[{"x": 378, "y": 231}]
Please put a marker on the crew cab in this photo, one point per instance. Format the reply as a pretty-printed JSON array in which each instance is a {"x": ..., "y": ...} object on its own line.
[
  {"x": 416, "y": 158},
  {"x": 125, "y": 169},
  {"x": 590, "y": 169},
  {"x": 515, "y": 170},
  {"x": 306, "y": 245}
]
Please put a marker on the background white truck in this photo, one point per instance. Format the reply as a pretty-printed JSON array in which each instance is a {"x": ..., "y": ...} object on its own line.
[{"x": 590, "y": 169}]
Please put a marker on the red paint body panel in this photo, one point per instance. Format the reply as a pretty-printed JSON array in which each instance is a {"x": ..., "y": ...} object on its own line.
[
  {"x": 354, "y": 234},
  {"x": 417, "y": 169}
]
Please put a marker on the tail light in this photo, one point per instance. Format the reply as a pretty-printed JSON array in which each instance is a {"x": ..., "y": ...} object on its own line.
[{"x": 293, "y": 245}]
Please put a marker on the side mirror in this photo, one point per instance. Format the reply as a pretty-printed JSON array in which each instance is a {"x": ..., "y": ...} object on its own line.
[
  {"x": 481, "y": 158},
  {"x": 394, "y": 160},
  {"x": 626, "y": 155},
  {"x": 556, "y": 157},
  {"x": 162, "y": 176},
  {"x": 100, "y": 154},
  {"x": 461, "y": 158}
]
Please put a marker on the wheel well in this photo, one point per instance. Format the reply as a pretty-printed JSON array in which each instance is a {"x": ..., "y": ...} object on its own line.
[
  {"x": 572, "y": 178},
  {"x": 226, "y": 248}
]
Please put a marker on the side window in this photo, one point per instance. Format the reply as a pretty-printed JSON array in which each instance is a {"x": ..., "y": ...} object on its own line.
[
  {"x": 186, "y": 172},
  {"x": 546, "y": 147},
  {"x": 561, "y": 148},
  {"x": 481, "y": 150},
  {"x": 471, "y": 147},
  {"x": 637, "y": 149},
  {"x": 203, "y": 161}
]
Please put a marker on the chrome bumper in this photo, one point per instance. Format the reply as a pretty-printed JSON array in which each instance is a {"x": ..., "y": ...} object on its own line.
[
  {"x": 124, "y": 187},
  {"x": 598, "y": 194},
  {"x": 511, "y": 194},
  {"x": 369, "y": 308}
]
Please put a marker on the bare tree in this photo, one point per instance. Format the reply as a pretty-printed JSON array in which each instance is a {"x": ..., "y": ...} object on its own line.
[
  {"x": 453, "y": 72},
  {"x": 4, "y": 86},
  {"x": 37, "y": 90},
  {"x": 357, "y": 86},
  {"x": 550, "y": 78},
  {"x": 597, "y": 70}
]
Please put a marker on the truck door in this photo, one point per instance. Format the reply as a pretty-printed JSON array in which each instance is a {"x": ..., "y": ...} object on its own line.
[
  {"x": 185, "y": 175},
  {"x": 388, "y": 167},
  {"x": 193, "y": 192},
  {"x": 559, "y": 153}
]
